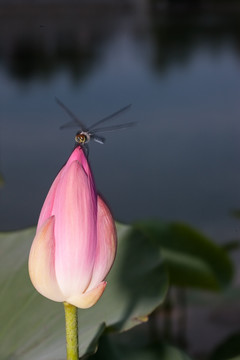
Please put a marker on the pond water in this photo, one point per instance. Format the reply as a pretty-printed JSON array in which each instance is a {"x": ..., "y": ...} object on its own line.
[{"x": 179, "y": 70}]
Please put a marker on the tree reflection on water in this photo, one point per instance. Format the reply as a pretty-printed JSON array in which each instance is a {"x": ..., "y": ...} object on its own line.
[{"x": 40, "y": 39}]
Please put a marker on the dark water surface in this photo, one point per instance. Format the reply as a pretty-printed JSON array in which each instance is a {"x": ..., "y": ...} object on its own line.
[{"x": 180, "y": 71}]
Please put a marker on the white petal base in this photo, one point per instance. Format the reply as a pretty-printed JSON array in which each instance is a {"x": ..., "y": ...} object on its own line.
[
  {"x": 89, "y": 298},
  {"x": 41, "y": 262}
]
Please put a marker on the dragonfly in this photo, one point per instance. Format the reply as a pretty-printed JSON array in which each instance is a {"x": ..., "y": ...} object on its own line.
[{"x": 85, "y": 134}]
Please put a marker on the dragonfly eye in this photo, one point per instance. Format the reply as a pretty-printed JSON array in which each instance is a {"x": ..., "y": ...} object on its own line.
[{"x": 80, "y": 138}]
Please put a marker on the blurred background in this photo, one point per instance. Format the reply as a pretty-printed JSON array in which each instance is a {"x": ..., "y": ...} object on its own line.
[{"x": 176, "y": 62}]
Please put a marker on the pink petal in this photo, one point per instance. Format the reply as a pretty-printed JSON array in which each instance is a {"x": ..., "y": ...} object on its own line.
[
  {"x": 89, "y": 298},
  {"x": 106, "y": 244},
  {"x": 75, "y": 229},
  {"x": 46, "y": 211},
  {"x": 41, "y": 262},
  {"x": 78, "y": 155}
]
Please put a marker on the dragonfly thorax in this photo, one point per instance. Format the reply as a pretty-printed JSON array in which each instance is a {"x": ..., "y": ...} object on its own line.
[{"x": 82, "y": 137}]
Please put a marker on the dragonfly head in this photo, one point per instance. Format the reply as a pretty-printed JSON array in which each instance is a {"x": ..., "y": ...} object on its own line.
[{"x": 82, "y": 137}]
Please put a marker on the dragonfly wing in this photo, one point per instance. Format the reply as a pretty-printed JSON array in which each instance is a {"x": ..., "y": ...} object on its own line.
[
  {"x": 115, "y": 127},
  {"x": 109, "y": 117},
  {"x": 75, "y": 121},
  {"x": 98, "y": 139}
]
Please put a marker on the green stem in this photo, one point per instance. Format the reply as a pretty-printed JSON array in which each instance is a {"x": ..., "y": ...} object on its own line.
[{"x": 71, "y": 320}]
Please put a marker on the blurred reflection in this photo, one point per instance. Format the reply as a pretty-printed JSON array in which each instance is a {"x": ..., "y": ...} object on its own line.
[
  {"x": 178, "y": 27},
  {"x": 40, "y": 39}
]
